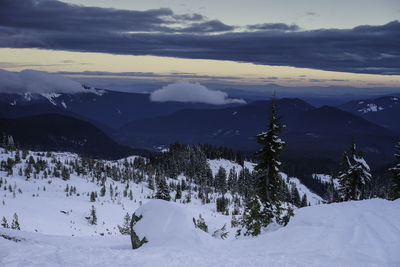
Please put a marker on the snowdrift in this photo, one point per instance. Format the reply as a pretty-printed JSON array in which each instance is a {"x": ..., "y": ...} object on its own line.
[
  {"x": 168, "y": 224},
  {"x": 359, "y": 233}
]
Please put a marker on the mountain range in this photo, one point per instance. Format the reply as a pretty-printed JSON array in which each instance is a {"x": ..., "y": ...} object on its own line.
[{"x": 133, "y": 120}]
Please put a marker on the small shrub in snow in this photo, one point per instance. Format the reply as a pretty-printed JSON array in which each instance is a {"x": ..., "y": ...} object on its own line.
[
  {"x": 221, "y": 233},
  {"x": 125, "y": 228},
  {"x": 15, "y": 223},
  {"x": 4, "y": 223},
  {"x": 200, "y": 223},
  {"x": 92, "y": 219}
]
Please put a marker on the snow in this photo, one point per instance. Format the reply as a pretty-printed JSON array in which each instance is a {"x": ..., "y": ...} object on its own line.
[
  {"x": 215, "y": 164},
  {"x": 361, "y": 233},
  {"x": 326, "y": 179},
  {"x": 312, "y": 198},
  {"x": 51, "y": 97},
  {"x": 168, "y": 224},
  {"x": 371, "y": 108},
  {"x": 54, "y": 231}
]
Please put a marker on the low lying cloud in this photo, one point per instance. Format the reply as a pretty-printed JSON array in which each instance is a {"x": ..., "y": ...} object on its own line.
[
  {"x": 192, "y": 92},
  {"x": 33, "y": 81}
]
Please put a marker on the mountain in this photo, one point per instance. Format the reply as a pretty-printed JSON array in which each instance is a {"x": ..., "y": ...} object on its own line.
[
  {"x": 108, "y": 108},
  {"x": 383, "y": 111},
  {"x": 56, "y": 132},
  {"x": 314, "y": 133}
]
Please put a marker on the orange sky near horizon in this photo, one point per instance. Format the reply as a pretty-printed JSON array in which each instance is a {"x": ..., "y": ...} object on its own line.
[{"x": 12, "y": 59}]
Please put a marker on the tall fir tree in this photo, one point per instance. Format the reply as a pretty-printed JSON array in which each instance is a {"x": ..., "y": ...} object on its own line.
[
  {"x": 92, "y": 219},
  {"x": 15, "y": 223},
  {"x": 264, "y": 205},
  {"x": 395, "y": 184},
  {"x": 220, "y": 180},
  {"x": 354, "y": 176},
  {"x": 162, "y": 189}
]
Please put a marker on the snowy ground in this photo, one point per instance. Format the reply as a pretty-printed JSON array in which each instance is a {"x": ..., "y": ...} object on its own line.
[
  {"x": 363, "y": 233},
  {"x": 54, "y": 231}
]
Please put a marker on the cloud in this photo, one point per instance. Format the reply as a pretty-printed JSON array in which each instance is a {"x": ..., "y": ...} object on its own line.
[
  {"x": 192, "y": 92},
  {"x": 52, "y": 15},
  {"x": 274, "y": 27},
  {"x": 33, "y": 81},
  {"x": 51, "y": 24},
  {"x": 208, "y": 26}
]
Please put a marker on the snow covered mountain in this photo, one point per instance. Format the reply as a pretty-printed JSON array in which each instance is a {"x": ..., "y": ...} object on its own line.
[
  {"x": 110, "y": 108},
  {"x": 383, "y": 111}
]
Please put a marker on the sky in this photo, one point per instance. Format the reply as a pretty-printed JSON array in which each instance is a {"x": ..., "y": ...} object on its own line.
[{"x": 288, "y": 42}]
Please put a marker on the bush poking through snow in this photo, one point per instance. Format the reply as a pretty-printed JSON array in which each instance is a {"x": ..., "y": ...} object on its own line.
[
  {"x": 200, "y": 223},
  {"x": 15, "y": 223},
  {"x": 221, "y": 233},
  {"x": 125, "y": 228},
  {"x": 92, "y": 219},
  {"x": 4, "y": 223},
  {"x": 136, "y": 242}
]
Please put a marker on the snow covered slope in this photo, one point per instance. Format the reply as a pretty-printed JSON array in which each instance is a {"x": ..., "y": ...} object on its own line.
[
  {"x": 55, "y": 232},
  {"x": 362, "y": 233}
]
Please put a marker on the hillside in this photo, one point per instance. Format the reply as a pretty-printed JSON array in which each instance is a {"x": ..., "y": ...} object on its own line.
[
  {"x": 383, "y": 111},
  {"x": 56, "y": 132},
  {"x": 309, "y": 131},
  {"x": 52, "y": 195}
]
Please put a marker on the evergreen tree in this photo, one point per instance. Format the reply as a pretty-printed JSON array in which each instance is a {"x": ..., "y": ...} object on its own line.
[
  {"x": 220, "y": 180},
  {"x": 65, "y": 174},
  {"x": 15, "y": 223},
  {"x": 222, "y": 204},
  {"x": 232, "y": 179},
  {"x": 395, "y": 184},
  {"x": 162, "y": 189},
  {"x": 4, "y": 223},
  {"x": 304, "y": 202},
  {"x": 151, "y": 183},
  {"x": 92, "y": 219},
  {"x": 92, "y": 197},
  {"x": 125, "y": 228},
  {"x": 103, "y": 190},
  {"x": 178, "y": 194},
  {"x": 354, "y": 176},
  {"x": 295, "y": 196},
  {"x": 264, "y": 204}
]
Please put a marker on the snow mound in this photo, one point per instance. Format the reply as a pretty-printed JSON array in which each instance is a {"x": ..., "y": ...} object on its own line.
[
  {"x": 356, "y": 233},
  {"x": 166, "y": 223}
]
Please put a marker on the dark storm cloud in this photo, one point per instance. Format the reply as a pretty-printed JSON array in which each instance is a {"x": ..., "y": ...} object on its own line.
[
  {"x": 56, "y": 25},
  {"x": 208, "y": 26},
  {"x": 274, "y": 27}
]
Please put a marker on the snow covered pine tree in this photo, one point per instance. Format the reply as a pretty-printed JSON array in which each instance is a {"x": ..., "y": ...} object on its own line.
[
  {"x": 395, "y": 188},
  {"x": 354, "y": 176},
  {"x": 265, "y": 203}
]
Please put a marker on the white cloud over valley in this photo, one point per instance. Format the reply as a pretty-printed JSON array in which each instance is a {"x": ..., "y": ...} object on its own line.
[
  {"x": 33, "y": 81},
  {"x": 192, "y": 92}
]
